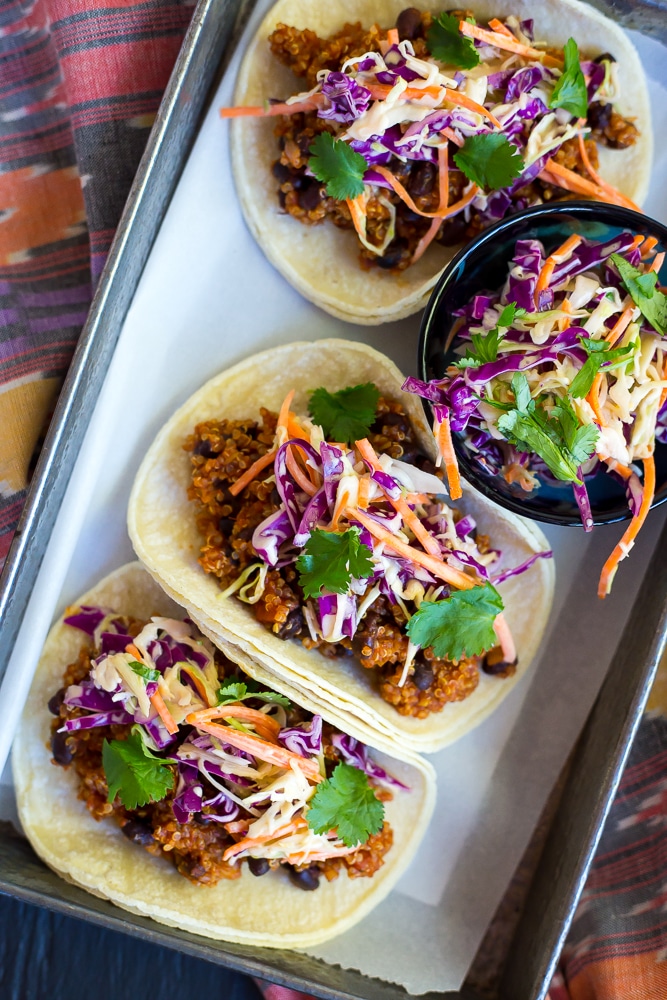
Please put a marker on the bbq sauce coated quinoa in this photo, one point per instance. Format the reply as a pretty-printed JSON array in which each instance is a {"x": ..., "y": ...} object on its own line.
[
  {"x": 221, "y": 452},
  {"x": 390, "y": 223},
  {"x": 196, "y": 847}
]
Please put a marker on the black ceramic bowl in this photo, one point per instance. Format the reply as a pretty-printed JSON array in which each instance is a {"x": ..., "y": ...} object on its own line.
[{"x": 482, "y": 267}]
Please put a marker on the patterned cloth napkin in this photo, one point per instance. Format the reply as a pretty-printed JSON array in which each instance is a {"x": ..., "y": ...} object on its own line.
[{"x": 79, "y": 89}]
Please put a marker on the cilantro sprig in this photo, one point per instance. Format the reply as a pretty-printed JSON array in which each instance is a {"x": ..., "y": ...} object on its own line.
[
  {"x": 330, "y": 561},
  {"x": 345, "y": 415},
  {"x": 570, "y": 92},
  {"x": 346, "y": 803},
  {"x": 489, "y": 160},
  {"x": 599, "y": 353},
  {"x": 133, "y": 773},
  {"x": 458, "y": 625},
  {"x": 446, "y": 43},
  {"x": 232, "y": 690},
  {"x": 485, "y": 345},
  {"x": 557, "y": 437},
  {"x": 642, "y": 289},
  {"x": 336, "y": 164}
]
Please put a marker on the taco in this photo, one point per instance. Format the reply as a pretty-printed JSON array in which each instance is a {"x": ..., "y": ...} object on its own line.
[
  {"x": 366, "y": 154},
  {"x": 324, "y": 548},
  {"x": 180, "y": 782}
]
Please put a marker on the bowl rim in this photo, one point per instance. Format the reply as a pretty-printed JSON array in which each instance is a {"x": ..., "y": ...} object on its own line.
[{"x": 591, "y": 211}]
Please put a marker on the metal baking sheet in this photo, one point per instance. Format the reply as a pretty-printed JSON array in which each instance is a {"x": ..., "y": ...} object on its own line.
[{"x": 298, "y": 970}]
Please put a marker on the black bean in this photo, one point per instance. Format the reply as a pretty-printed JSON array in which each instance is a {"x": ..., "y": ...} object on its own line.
[
  {"x": 293, "y": 624},
  {"x": 453, "y": 231},
  {"x": 423, "y": 676},
  {"x": 307, "y": 879},
  {"x": 258, "y": 866},
  {"x": 139, "y": 833},
  {"x": 60, "y": 749},
  {"x": 422, "y": 179},
  {"x": 394, "y": 420},
  {"x": 304, "y": 142},
  {"x": 56, "y": 701},
  {"x": 393, "y": 255},
  {"x": 494, "y": 663},
  {"x": 281, "y": 171},
  {"x": 599, "y": 115},
  {"x": 282, "y": 198},
  {"x": 204, "y": 449},
  {"x": 606, "y": 56},
  {"x": 245, "y": 534},
  {"x": 300, "y": 181},
  {"x": 310, "y": 197},
  {"x": 409, "y": 23},
  {"x": 275, "y": 497},
  {"x": 225, "y": 525}
]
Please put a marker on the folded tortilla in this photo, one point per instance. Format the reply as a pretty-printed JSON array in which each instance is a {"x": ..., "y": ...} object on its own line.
[
  {"x": 162, "y": 527},
  {"x": 321, "y": 261},
  {"x": 268, "y": 911}
]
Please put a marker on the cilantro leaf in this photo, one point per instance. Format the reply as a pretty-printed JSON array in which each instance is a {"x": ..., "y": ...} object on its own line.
[
  {"x": 509, "y": 314},
  {"x": 570, "y": 91},
  {"x": 232, "y": 690},
  {"x": 490, "y": 160},
  {"x": 644, "y": 294},
  {"x": 485, "y": 346},
  {"x": 556, "y": 437},
  {"x": 330, "y": 561},
  {"x": 446, "y": 43},
  {"x": 484, "y": 349},
  {"x": 336, "y": 164},
  {"x": 346, "y": 802},
  {"x": 599, "y": 353},
  {"x": 458, "y": 625},
  {"x": 142, "y": 670},
  {"x": 345, "y": 415},
  {"x": 133, "y": 773}
]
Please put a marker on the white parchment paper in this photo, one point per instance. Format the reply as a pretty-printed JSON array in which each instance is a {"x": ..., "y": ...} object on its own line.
[{"x": 207, "y": 299}]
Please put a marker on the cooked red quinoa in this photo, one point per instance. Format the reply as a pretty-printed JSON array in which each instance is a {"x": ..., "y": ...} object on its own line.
[{"x": 195, "y": 848}]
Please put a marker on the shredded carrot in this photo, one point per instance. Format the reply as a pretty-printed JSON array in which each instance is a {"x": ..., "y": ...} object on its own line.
[
  {"x": 636, "y": 243},
  {"x": 631, "y": 532},
  {"x": 501, "y": 28},
  {"x": 657, "y": 262},
  {"x": 601, "y": 183},
  {"x": 443, "y": 184},
  {"x": 283, "y": 413},
  {"x": 442, "y": 213},
  {"x": 257, "y": 747},
  {"x": 300, "y": 477},
  {"x": 555, "y": 173},
  {"x": 237, "y": 826},
  {"x": 294, "y": 428},
  {"x": 620, "y": 326},
  {"x": 446, "y": 449},
  {"x": 266, "y": 727},
  {"x": 566, "y": 249},
  {"x": 251, "y": 472},
  {"x": 649, "y": 243},
  {"x": 379, "y": 91},
  {"x": 310, "y": 104},
  {"x": 242, "y": 845},
  {"x": 448, "y": 133},
  {"x": 544, "y": 278},
  {"x": 438, "y": 567},
  {"x": 364, "y": 492},
  {"x": 502, "y": 630},
  {"x": 617, "y": 466},
  {"x": 392, "y": 36},
  {"x": 501, "y": 41},
  {"x": 157, "y": 701},
  {"x": 564, "y": 322},
  {"x": 133, "y": 651},
  {"x": 559, "y": 256},
  {"x": 201, "y": 689},
  {"x": 593, "y": 398},
  {"x": 663, "y": 394},
  {"x": 463, "y": 101}
]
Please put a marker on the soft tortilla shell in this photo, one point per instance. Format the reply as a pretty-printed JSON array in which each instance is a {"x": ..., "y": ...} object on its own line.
[
  {"x": 268, "y": 912},
  {"x": 321, "y": 261},
  {"x": 162, "y": 528}
]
